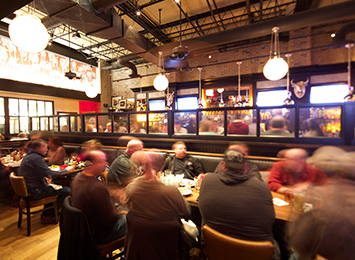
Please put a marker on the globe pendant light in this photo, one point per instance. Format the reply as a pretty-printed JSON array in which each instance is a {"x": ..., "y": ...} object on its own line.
[
  {"x": 350, "y": 96},
  {"x": 276, "y": 67},
  {"x": 28, "y": 33},
  {"x": 160, "y": 82},
  {"x": 91, "y": 92},
  {"x": 288, "y": 100}
]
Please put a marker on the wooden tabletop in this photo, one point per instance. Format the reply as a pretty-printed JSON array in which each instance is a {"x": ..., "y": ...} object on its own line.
[{"x": 283, "y": 213}]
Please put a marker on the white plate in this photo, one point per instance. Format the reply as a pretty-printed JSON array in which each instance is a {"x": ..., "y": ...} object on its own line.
[
  {"x": 188, "y": 181},
  {"x": 185, "y": 192}
]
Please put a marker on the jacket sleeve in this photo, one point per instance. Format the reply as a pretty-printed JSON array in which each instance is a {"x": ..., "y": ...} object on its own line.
[
  {"x": 275, "y": 177},
  {"x": 198, "y": 168},
  {"x": 168, "y": 162}
]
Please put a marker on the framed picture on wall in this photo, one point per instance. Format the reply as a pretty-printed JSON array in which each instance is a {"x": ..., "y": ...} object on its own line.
[{"x": 115, "y": 101}]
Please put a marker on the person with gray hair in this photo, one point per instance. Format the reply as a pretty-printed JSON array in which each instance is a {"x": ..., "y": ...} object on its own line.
[{"x": 277, "y": 127}]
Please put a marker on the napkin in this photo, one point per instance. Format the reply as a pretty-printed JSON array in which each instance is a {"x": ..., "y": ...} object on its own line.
[
  {"x": 279, "y": 202},
  {"x": 190, "y": 228}
]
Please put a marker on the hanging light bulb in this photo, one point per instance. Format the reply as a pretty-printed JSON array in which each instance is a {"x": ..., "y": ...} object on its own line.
[
  {"x": 276, "y": 67},
  {"x": 288, "y": 100},
  {"x": 28, "y": 33},
  {"x": 239, "y": 102},
  {"x": 200, "y": 105},
  {"x": 160, "y": 82},
  {"x": 350, "y": 96}
]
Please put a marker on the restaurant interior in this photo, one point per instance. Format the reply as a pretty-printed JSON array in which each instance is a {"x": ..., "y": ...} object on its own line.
[{"x": 165, "y": 71}]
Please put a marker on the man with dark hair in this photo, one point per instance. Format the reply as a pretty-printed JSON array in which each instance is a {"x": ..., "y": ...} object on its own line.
[
  {"x": 91, "y": 196},
  {"x": 277, "y": 126},
  {"x": 39, "y": 177},
  {"x": 235, "y": 204},
  {"x": 182, "y": 163},
  {"x": 251, "y": 168}
]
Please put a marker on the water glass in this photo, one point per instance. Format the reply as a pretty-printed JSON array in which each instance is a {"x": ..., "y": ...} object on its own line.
[{"x": 299, "y": 200}]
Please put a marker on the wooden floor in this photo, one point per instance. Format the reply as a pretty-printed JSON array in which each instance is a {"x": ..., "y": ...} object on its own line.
[{"x": 16, "y": 245}]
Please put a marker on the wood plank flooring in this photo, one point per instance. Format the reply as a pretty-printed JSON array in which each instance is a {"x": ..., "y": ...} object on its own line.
[{"x": 16, "y": 245}]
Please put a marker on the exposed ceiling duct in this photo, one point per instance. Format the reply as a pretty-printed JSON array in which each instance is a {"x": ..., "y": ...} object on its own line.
[
  {"x": 340, "y": 36},
  {"x": 82, "y": 15}
]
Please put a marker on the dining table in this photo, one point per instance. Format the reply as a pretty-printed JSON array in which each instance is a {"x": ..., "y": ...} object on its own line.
[{"x": 283, "y": 213}]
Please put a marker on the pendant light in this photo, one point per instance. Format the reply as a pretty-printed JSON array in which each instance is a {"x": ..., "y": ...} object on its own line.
[
  {"x": 28, "y": 33},
  {"x": 200, "y": 105},
  {"x": 220, "y": 91},
  {"x": 288, "y": 100},
  {"x": 239, "y": 102},
  {"x": 350, "y": 96},
  {"x": 160, "y": 82},
  {"x": 276, "y": 67}
]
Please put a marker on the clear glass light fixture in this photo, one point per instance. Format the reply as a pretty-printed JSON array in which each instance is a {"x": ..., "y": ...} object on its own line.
[
  {"x": 28, "y": 33},
  {"x": 239, "y": 102},
  {"x": 161, "y": 82},
  {"x": 350, "y": 96},
  {"x": 200, "y": 105},
  {"x": 276, "y": 67},
  {"x": 288, "y": 100}
]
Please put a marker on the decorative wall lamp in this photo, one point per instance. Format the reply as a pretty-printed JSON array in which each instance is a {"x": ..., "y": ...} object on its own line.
[
  {"x": 288, "y": 100},
  {"x": 276, "y": 67},
  {"x": 161, "y": 82},
  {"x": 28, "y": 33},
  {"x": 350, "y": 96}
]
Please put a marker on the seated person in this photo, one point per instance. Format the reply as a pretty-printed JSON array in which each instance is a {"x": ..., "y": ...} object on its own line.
[
  {"x": 91, "y": 196},
  {"x": 277, "y": 126},
  {"x": 178, "y": 129},
  {"x": 135, "y": 128},
  {"x": 216, "y": 129},
  {"x": 237, "y": 126},
  {"x": 153, "y": 221},
  {"x": 251, "y": 168},
  {"x": 329, "y": 228},
  {"x": 6, "y": 191},
  {"x": 205, "y": 127},
  {"x": 182, "y": 163},
  {"x": 294, "y": 173},
  {"x": 38, "y": 177},
  {"x": 236, "y": 204},
  {"x": 56, "y": 153}
]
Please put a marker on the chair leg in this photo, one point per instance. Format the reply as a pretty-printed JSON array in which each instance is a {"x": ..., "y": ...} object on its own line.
[
  {"x": 19, "y": 222},
  {"x": 55, "y": 204},
  {"x": 28, "y": 213}
]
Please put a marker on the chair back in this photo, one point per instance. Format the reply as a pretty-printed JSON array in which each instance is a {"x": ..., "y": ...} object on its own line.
[
  {"x": 19, "y": 185},
  {"x": 220, "y": 247}
]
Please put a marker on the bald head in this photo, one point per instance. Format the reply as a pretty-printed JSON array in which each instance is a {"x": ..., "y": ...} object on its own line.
[
  {"x": 296, "y": 159},
  {"x": 96, "y": 162},
  {"x": 134, "y": 146}
]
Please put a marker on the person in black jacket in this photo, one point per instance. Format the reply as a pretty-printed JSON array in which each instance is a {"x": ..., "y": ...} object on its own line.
[{"x": 181, "y": 163}]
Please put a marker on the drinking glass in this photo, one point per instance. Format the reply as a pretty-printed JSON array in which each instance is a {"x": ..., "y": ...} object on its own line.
[
  {"x": 288, "y": 195},
  {"x": 299, "y": 200}
]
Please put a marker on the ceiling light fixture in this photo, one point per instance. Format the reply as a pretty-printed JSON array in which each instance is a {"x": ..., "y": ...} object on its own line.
[
  {"x": 91, "y": 92},
  {"x": 200, "y": 105},
  {"x": 239, "y": 98},
  {"x": 28, "y": 33},
  {"x": 160, "y": 82},
  {"x": 288, "y": 100},
  {"x": 350, "y": 96},
  {"x": 180, "y": 52},
  {"x": 138, "y": 13},
  {"x": 276, "y": 67}
]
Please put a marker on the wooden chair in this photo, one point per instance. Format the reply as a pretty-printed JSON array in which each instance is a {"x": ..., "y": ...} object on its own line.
[
  {"x": 25, "y": 204},
  {"x": 77, "y": 239},
  {"x": 221, "y": 247}
]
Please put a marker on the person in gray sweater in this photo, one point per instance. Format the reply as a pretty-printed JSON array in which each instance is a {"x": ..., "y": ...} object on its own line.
[{"x": 236, "y": 204}]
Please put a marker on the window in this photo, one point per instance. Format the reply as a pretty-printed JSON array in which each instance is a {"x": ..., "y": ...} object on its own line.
[
  {"x": 2, "y": 116},
  {"x": 21, "y": 109},
  {"x": 271, "y": 98},
  {"x": 329, "y": 93}
]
